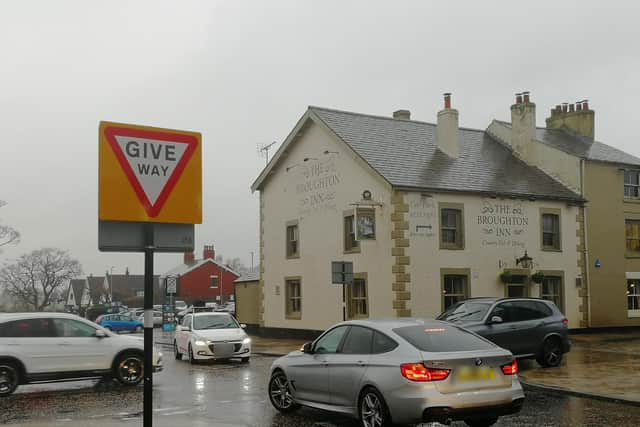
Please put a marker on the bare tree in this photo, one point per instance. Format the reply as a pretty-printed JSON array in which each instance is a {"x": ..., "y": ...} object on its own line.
[
  {"x": 237, "y": 265},
  {"x": 8, "y": 235},
  {"x": 37, "y": 278}
]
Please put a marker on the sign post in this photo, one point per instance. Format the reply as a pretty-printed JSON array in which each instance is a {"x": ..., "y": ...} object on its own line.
[
  {"x": 342, "y": 274},
  {"x": 150, "y": 197}
]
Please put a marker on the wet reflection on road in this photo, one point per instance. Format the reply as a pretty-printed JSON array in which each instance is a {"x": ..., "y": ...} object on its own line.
[{"x": 234, "y": 394}]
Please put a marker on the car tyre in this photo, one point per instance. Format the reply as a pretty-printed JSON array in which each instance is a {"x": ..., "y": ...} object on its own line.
[
  {"x": 551, "y": 353},
  {"x": 280, "y": 393},
  {"x": 9, "y": 378},
  {"x": 244, "y": 359},
  {"x": 482, "y": 422},
  {"x": 129, "y": 369},
  {"x": 373, "y": 411},
  {"x": 176, "y": 352},
  {"x": 138, "y": 329},
  {"x": 108, "y": 328},
  {"x": 192, "y": 359}
]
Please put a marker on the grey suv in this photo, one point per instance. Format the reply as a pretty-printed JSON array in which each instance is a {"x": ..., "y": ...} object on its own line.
[{"x": 528, "y": 327}]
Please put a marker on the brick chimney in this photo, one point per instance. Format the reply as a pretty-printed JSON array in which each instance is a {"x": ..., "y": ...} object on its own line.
[
  {"x": 208, "y": 252},
  {"x": 579, "y": 119},
  {"x": 447, "y": 129},
  {"x": 402, "y": 115},
  {"x": 523, "y": 124},
  {"x": 189, "y": 258}
]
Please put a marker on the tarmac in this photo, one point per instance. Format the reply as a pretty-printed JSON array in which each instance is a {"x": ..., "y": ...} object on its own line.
[{"x": 600, "y": 365}]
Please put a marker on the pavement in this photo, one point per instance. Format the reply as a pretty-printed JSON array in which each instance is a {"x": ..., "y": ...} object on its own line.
[{"x": 600, "y": 365}]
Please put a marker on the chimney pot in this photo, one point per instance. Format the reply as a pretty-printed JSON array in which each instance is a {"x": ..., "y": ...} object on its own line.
[
  {"x": 579, "y": 106},
  {"x": 585, "y": 105},
  {"x": 564, "y": 107},
  {"x": 447, "y": 101},
  {"x": 402, "y": 114},
  {"x": 518, "y": 98},
  {"x": 525, "y": 97},
  {"x": 208, "y": 252},
  {"x": 189, "y": 258},
  {"x": 571, "y": 108}
]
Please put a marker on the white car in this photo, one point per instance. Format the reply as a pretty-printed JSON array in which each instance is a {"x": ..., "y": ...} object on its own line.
[
  {"x": 157, "y": 318},
  {"x": 49, "y": 347},
  {"x": 211, "y": 335}
]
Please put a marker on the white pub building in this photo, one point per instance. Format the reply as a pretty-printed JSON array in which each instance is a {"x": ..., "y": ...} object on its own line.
[{"x": 428, "y": 214}]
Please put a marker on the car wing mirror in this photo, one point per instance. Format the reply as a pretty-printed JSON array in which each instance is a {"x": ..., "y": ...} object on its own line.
[
  {"x": 100, "y": 333},
  {"x": 307, "y": 348},
  {"x": 243, "y": 325},
  {"x": 495, "y": 319}
]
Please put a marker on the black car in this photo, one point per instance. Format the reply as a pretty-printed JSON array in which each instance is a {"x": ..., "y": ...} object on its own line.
[{"x": 528, "y": 327}]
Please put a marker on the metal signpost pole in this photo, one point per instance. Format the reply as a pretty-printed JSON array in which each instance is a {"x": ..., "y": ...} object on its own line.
[{"x": 147, "y": 412}]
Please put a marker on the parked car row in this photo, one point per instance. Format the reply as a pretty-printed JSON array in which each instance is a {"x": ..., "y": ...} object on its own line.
[{"x": 459, "y": 367}]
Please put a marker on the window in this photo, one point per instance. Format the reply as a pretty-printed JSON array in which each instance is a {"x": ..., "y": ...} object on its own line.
[
  {"x": 187, "y": 321},
  {"x": 366, "y": 224},
  {"x": 358, "y": 341},
  {"x": 357, "y": 298},
  {"x": 214, "y": 281},
  {"x": 350, "y": 242},
  {"x": 632, "y": 232},
  {"x": 517, "y": 287},
  {"x": 454, "y": 289},
  {"x": 442, "y": 338},
  {"x": 382, "y": 343},
  {"x": 293, "y": 298},
  {"x": 550, "y": 231},
  {"x": 451, "y": 228},
  {"x": 73, "y": 328},
  {"x": 330, "y": 341},
  {"x": 631, "y": 184},
  {"x": 552, "y": 290},
  {"x": 139, "y": 293},
  {"x": 633, "y": 297},
  {"x": 293, "y": 247},
  {"x": 28, "y": 328}
]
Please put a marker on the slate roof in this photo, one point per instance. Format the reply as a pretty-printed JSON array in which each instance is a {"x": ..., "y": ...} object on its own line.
[
  {"x": 405, "y": 153},
  {"x": 252, "y": 276},
  {"x": 128, "y": 284},
  {"x": 580, "y": 146},
  {"x": 185, "y": 268}
]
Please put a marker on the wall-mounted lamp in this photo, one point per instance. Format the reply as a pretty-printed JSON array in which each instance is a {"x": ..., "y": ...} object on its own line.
[
  {"x": 366, "y": 195},
  {"x": 525, "y": 260}
]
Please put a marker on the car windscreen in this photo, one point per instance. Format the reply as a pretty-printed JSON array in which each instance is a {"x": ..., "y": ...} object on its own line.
[
  {"x": 468, "y": 311},
  {"x": 216, "y": 321},
  {"x": 442, "y": 338}
]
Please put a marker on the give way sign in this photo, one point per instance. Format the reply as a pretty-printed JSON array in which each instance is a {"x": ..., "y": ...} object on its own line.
[{"x": 149, "y": 174}]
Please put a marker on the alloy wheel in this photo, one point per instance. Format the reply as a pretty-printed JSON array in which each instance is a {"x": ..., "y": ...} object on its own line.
[
  {"x": 371, "y": 410},
  {"x": 280, "y": 393},
  {"x": 8, "y": 379},
  {"x": 552, "y": 353},
  {"x": 130, "y": 369}
]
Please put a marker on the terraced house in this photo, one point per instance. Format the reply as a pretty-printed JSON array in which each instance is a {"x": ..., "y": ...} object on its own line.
[{"x": 433, "y": 213}]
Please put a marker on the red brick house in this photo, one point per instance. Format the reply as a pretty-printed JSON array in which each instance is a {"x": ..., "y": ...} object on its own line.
[{"x": 203, "y": 279}]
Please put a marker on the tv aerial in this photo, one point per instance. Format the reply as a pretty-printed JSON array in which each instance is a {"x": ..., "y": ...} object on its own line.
[{"x": 263, "y": 150}]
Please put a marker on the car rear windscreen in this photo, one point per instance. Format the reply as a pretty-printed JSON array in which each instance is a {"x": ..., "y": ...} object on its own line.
[{"x": 442, "y": 338}]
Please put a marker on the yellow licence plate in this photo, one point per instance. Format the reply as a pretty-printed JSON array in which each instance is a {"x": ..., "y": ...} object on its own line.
[{"x": 474, "y": 374}]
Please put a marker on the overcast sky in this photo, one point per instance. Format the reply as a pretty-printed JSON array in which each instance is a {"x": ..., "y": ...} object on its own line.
[{"x": 242, "y": 73}]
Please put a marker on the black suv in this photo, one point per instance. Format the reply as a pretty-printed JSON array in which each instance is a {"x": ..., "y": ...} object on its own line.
[{"x": 528, "y": 327}]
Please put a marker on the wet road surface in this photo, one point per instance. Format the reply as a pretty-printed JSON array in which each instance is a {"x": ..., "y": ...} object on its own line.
[{"x": 234, "y": 394}]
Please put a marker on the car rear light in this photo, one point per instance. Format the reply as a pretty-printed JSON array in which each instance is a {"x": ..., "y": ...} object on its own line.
[
  {"x": 419, "y": 372},
  {"x": 565, "y": 322},
  {"x": 511, "y": 368}
]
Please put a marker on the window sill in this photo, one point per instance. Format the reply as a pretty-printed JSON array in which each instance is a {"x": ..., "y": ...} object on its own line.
[
  {"x": 551, "y": 250},
  {"x": 631, "y": 200},
  {"x": 632, "y": 255},
  {"x": 293, "y": 316},
  {"x": 451, "y": 248},
  {"x": 352, "y": 251},
  {"x": 633, "y": 313},
  {"x": 293, "y": 257}
]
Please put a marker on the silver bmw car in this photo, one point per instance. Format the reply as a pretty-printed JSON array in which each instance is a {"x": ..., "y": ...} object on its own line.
[{"x": 399, "y": 371}]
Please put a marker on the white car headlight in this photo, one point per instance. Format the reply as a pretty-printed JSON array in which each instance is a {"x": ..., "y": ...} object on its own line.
[
  {"x": 247, "y": 340},
  {"x": 200, "y": 342}
]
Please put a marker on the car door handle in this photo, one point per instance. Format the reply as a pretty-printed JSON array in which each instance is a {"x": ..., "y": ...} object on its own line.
[{"x": 360, "y": 363}]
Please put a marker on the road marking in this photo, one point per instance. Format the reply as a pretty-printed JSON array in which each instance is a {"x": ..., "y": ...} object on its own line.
[{"x": 175, "y": 413}]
